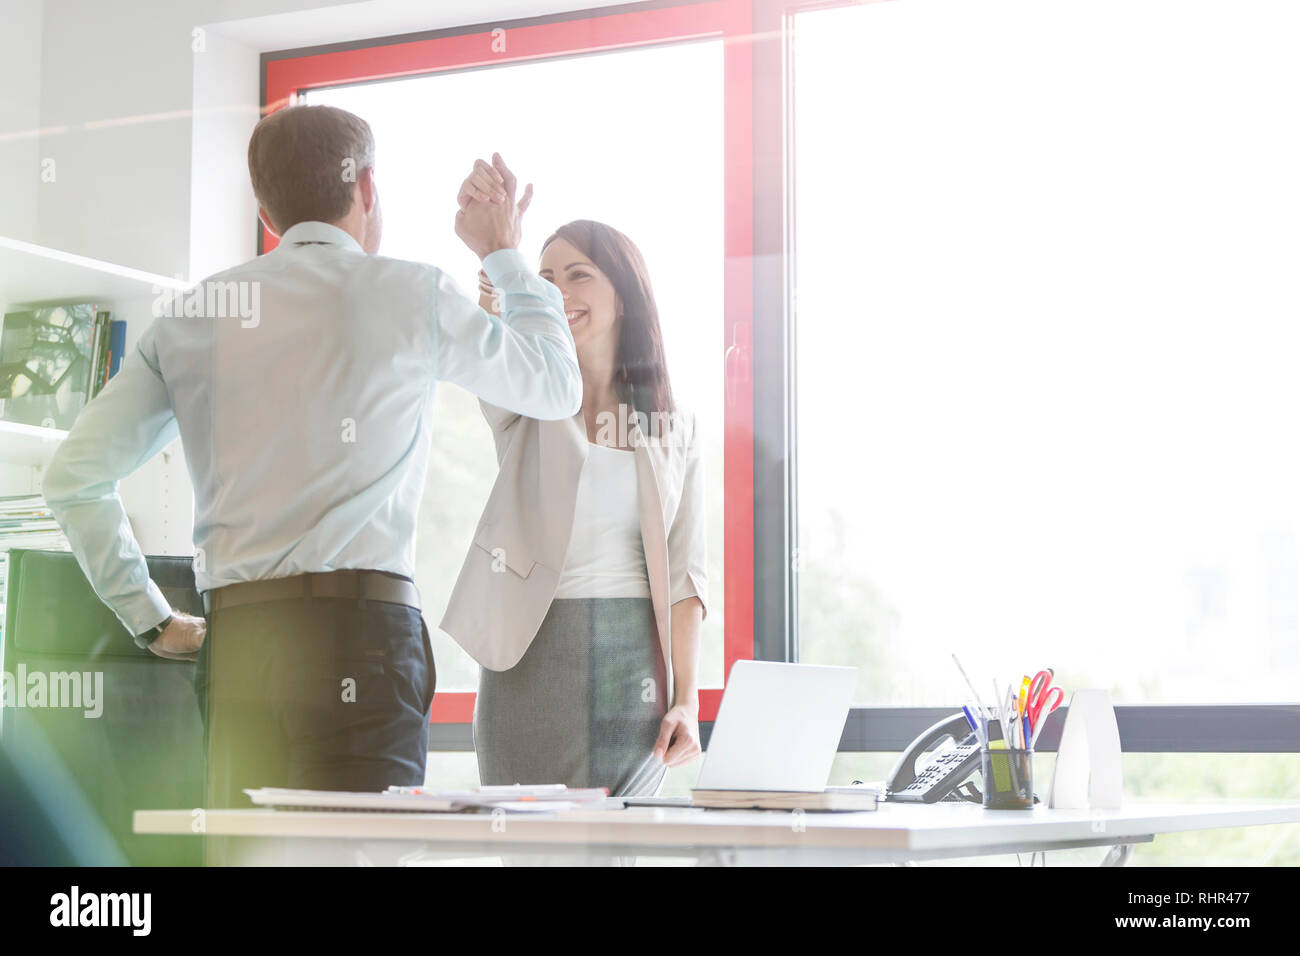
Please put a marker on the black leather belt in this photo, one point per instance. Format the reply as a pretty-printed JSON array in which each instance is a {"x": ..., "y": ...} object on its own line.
[{"x": 354, "y": 585}]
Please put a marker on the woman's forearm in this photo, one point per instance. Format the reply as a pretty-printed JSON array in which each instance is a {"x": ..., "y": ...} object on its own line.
[{"x": 687, "y": 616}]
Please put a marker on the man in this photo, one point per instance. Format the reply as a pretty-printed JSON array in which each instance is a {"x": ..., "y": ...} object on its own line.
[{"x": 305, "y": 416}]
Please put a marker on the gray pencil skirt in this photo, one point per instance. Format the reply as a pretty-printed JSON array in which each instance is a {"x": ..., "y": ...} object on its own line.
[{"x": 583, "y": 705}]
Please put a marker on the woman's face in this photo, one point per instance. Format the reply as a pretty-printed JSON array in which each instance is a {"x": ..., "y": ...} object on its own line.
[{"x": 590, "y": 303}]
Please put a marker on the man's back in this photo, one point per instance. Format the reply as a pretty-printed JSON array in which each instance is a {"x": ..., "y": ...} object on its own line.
[{"x": 305, "y": 415}]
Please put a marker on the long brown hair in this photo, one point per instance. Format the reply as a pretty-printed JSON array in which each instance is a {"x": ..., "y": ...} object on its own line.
[{"x": 640, "y": 372}]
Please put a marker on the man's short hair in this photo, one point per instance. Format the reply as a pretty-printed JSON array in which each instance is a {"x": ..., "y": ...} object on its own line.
[{"x": 304, "y": 162}]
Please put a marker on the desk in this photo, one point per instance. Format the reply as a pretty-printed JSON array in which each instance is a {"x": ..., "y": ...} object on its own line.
[{"x": 896, "y": 833}]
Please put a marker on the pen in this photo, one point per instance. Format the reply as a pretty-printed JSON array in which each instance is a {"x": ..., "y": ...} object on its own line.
[
  {"x": 1012, "y": 713},
  {"x": 981, "y": 735},
  {"x": 999, "y": 713},
  {"x": 978, "y": 703}
]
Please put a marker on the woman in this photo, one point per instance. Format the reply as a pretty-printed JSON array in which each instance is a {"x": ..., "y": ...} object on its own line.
[{"x": 583, "y": 593}]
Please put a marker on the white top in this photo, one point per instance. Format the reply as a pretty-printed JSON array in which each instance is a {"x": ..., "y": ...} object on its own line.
[{"x": 606, "y": 558}]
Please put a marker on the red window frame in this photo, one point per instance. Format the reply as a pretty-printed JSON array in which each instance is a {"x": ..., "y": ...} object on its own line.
[{"x": 729, "y": 20}]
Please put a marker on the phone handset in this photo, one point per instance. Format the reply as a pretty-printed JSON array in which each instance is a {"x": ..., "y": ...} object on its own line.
[{"x": 943, "y": 774}]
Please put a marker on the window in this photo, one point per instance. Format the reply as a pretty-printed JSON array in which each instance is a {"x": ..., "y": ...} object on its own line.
[
  {"x": 1046, "y": 337},
  {"x": 635, "y": 132}
]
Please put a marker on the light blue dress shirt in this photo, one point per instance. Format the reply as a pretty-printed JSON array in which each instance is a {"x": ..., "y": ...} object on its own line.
[{"x": 303, "y": 396}]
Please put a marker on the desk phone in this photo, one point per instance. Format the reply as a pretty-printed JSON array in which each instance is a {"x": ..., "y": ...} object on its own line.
[{"x": 943, "y": 777}]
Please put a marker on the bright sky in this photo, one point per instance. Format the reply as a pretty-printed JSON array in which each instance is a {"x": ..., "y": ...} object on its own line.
[{"x": 1047, "y": 337}]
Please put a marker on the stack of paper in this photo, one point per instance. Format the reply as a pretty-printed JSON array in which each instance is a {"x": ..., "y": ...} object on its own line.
[
  {"x": 26, "y": 521},
  {"x": 518, "y": 799}
]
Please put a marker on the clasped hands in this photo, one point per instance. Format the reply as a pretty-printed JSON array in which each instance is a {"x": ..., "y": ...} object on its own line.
[{"x": 489, "y": 218}]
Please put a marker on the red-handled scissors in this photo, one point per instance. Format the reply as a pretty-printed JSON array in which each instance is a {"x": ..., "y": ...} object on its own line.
[{"x": 1043, "y": 698}]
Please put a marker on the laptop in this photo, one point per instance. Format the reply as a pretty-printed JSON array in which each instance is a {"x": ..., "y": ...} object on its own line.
[{"x": 778, "y": 730}]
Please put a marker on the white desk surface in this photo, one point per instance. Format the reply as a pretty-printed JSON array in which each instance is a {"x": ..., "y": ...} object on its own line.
[{"x": 894, "y": 827}]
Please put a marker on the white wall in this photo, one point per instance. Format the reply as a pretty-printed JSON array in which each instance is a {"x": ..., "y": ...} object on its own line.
[
  {"x": 222, "y": 211},
  {"x": 119, "y": 86},
  {"x": 20, "y": 181},
  {"x": 151, "y": 161},
  {"x": 20, "y": 115}
]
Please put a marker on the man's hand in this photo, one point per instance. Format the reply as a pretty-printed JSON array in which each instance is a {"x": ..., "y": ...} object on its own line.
[
  {"x": 486, "y": 226},
  {"x": 679, "y": 736},
  {"x": 182, "y": 638}
]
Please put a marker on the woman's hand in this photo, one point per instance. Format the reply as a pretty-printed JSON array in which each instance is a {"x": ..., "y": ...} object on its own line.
[{"x": 679, "y": 736}]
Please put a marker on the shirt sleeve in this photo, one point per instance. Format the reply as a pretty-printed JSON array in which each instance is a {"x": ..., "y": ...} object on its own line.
[
  {"x": 688, "y": 550},
  {"x": 124, "y": 426},
  {"x": 523, "y": 361}
]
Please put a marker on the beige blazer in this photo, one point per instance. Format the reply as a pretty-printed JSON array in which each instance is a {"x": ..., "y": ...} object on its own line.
[{"x": 513, "y": 567}]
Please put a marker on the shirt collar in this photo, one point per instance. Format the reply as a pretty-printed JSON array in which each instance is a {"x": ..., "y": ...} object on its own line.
[{"x": 317, "y": 232}]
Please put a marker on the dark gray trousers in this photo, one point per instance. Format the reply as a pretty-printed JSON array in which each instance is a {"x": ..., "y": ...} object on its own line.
[{"x": 325, "y": 694}]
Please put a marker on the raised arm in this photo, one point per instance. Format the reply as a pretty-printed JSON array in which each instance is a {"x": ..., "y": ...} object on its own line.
[
  {"x": 489, "y": 299},
  {"x": 522, "y": 361}
]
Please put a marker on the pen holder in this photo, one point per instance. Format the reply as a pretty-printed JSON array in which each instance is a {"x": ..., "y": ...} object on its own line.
[{"x": 1008, "y": 779}]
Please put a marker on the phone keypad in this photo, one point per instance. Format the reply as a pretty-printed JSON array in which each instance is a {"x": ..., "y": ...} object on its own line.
[{"x": 926, "y": 787}]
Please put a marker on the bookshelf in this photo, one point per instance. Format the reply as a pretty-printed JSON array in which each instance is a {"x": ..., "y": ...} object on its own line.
[
  {"x": 158, "y": 498},
  {"x": 32, "y": 274}
]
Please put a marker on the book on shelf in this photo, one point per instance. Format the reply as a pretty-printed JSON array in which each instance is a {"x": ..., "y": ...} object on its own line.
[
  {"x": 26, "y": 521},
  {"x": 52, "y": 362},
  {"x": 116, "y": 346},
  {"x": 105, "y": 346}
]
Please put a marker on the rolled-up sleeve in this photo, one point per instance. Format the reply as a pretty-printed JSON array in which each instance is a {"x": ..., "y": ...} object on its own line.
[
  {"x": 523, "y": 361},
  {"x": 688, "y": 551}
]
